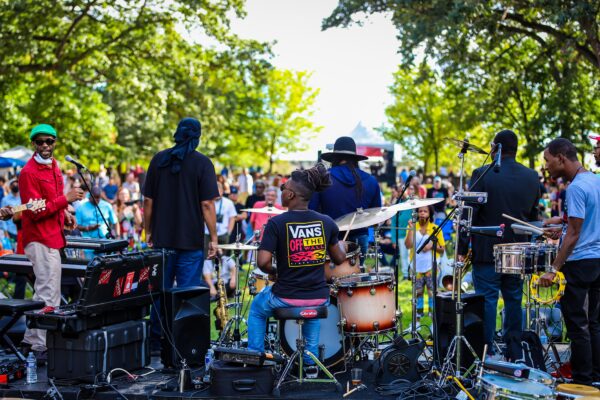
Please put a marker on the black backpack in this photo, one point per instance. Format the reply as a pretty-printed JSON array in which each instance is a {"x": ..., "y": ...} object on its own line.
[{"x": 525, "y": 348}]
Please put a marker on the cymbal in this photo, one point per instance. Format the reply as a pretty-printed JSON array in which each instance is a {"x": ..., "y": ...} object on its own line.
[
  {"x": 377, "y": 215},
  {"x": 470, "y": 147},
  {"x": 265, "y": 210},
  {"x": 415, "y": 203},
  {"x": 237, "y": 246},
  {"x": 364, "y": 218}
]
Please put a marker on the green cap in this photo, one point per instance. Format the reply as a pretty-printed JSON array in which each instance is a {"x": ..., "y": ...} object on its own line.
[{"x": 42, "y": 128}]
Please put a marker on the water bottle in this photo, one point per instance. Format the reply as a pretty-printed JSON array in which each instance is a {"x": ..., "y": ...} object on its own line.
[
  {"x": 31, "y": 368},
  {"x": 208, "y": 359}
]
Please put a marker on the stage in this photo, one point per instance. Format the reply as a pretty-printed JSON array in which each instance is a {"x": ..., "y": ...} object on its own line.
[{"x": 162, "y": 384}]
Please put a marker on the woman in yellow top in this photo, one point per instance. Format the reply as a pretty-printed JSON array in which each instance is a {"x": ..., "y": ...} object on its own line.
[{"x": 425, "y": 228}]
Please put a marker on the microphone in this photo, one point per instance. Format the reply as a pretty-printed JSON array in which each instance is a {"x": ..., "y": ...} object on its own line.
[
  {"x": 411, "y": 175},
  {"x": 497, "y": 229},
  {"x": 498, "y": 158},
  {"x": 257, "y": 235},
  {"x": 75, "y": 162}
]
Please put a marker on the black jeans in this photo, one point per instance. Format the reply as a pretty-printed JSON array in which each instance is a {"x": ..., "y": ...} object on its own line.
[{"x": 581, "y": 309}]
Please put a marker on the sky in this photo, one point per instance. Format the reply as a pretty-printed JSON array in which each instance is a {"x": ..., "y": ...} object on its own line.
[{"x": 352, "y": 66}]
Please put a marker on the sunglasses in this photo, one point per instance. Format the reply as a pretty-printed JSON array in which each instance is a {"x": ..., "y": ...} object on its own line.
[{"x": 40, "y": 142}]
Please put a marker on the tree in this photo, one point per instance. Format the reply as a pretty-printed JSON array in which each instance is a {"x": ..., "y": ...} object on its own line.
[
  {"x": 448, "y": 28},
  {"x": 426, "y": 112},
  {"x": 286, "y": 113},
  {"x": 116, "y": 76},
  {"x": 533, "y": 64}
]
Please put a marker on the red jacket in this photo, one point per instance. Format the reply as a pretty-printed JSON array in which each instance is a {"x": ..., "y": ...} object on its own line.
[{"x": 38, "y": 181}]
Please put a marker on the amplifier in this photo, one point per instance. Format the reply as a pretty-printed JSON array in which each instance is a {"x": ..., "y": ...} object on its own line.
[
  {"x": 11, "y": 370},
  {"x": 246, "y": 357}
]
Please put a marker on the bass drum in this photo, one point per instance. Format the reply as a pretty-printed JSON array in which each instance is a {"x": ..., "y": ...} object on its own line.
[{"x": 330, "y": 337}]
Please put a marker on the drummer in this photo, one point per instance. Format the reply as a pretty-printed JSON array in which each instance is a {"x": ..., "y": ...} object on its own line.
[
  {"x": 301, "y": 239},
  {"x": 351, "y": 188}
]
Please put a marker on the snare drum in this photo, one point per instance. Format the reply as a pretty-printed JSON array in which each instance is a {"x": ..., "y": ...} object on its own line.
[
  {"x": 524, "y": 258},
  {"x": 568, "y": 391},
  {"x": 366, "y": 303},
  {"x": 350, "y": 266},
  {"x": 258, "y": 281},
  {"x": 500, "y": 387}
]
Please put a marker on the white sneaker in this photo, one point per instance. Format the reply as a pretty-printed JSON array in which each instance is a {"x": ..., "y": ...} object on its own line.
[{"x": 311, "y": 371}]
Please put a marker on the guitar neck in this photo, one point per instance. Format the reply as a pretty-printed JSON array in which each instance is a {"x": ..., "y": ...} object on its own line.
[{"x": 19, "y": 208}]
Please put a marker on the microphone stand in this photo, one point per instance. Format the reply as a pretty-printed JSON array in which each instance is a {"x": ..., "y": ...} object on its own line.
[
  {"x": 458, "y": 338},
  {"x": 397, "y": 251},
  {"x": 93, "y": 200}
]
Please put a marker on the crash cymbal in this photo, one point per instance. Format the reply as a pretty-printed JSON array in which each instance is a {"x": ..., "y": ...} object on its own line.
[
  {"x": 363, "y": 218},
  {"x": 377, "y": 215},
  {"x": 265, "y": 210},
  {"x": 237, "y": 246},
  {"x": 470, "y": 147},
  {"x": 414, "y": 203}
]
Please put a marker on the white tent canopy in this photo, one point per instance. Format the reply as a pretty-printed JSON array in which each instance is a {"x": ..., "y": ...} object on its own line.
[{"x": 19, "y": 152}]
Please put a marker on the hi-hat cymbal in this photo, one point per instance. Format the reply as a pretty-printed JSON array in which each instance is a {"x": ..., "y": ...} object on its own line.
[
  {"x": 470, "y": 147},
  {"x": 265, "y": 210},
  {"x": 237, "y": 246},
  {"x": 373, "y": 216}
]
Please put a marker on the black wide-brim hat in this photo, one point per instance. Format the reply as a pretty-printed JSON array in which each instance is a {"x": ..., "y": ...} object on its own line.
[{"x": 343, "y": 148}]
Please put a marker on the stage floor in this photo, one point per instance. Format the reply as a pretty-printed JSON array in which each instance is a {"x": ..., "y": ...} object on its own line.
[{"x": 161, "y": 384}]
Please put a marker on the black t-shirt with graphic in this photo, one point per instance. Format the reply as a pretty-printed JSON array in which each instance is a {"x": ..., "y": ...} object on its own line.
[{"x": 299, "y": 240}]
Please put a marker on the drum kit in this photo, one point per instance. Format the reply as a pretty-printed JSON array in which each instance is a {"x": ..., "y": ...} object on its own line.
[{"x": 363, "y": 305}]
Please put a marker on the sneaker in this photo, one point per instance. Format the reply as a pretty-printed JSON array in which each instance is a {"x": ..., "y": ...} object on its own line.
[{"x": 311, "y": 371}]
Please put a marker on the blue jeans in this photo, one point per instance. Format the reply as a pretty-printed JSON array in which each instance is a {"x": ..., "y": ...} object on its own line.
[
  {"x": 262, "y": 308},
  {"x": 184, "y": 267},
  {"x": 489, "y": 283}
]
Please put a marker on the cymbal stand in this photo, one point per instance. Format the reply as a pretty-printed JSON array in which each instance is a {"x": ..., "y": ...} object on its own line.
[
  {"x": 237, "y": 305},
  {"x": 455, "y": 347},
  {"x": 413, "y": 272}
]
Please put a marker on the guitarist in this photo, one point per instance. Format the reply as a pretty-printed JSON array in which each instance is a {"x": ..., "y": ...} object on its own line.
[{"x": 43, "y": 230}]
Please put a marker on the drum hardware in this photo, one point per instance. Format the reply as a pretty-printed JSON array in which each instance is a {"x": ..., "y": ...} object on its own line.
[
  {"x": 226, "y": 335},
  {"x": 455, "y": 348}
]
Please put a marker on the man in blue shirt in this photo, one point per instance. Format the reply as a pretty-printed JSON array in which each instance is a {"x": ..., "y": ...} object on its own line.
[
  {"x": 11, "y": 199},
  {"x": 89, "y": 219},
  {"x": 579, "y": 259}
]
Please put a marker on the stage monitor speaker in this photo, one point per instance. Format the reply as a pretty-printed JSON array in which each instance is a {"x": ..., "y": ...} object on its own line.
[
  {"x": 472, "y": 325},
  {"x": 187, "y": 315}
]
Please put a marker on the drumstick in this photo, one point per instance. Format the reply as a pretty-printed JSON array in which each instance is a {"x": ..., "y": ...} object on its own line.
[
  {"x": 522, "y": 222},
  {"x": 349, "y": 227}
]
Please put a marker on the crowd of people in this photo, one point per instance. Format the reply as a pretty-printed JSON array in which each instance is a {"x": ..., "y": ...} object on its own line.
[{"x": 182, "y": 204}]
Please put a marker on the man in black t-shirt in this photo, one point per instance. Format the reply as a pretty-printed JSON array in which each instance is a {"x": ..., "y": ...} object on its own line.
[
  {"x": 301, "y": 239},
  {"x": 179, "y": 195}
]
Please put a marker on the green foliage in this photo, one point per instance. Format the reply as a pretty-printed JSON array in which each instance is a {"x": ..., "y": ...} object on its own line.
[
  {"x": 426, "y": 112},
  {"x": 115, "y": 77},
  {"x": 531, "y": 66}
]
